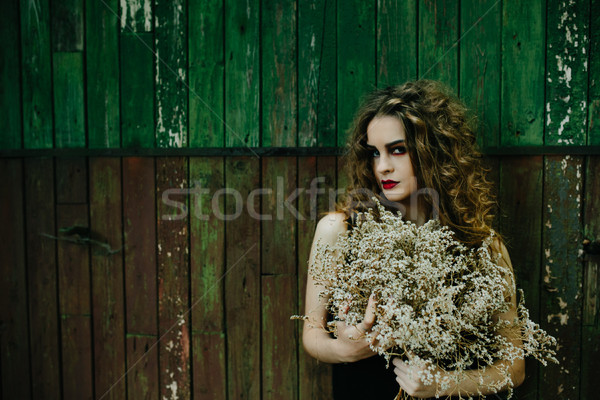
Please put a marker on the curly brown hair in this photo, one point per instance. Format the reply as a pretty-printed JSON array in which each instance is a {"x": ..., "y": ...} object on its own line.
[{"x": 443, "y": 152}]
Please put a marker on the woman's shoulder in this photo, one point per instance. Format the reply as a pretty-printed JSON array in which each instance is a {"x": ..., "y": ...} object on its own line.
[{"x": 330, "y": 226}]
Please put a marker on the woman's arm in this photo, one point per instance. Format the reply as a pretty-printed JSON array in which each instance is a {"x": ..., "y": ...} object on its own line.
[
  {"x": 474, "y": 382},
  {"x": 350, "y": 344}
]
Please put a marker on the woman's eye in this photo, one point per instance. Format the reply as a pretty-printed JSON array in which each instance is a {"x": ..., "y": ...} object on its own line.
[
  {"x": 375, "y": 153},
  {"x": 399, "y": 150}
]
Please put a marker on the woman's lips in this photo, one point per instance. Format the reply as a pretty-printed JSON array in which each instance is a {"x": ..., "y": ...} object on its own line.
[{"x": 388, "y": 184}]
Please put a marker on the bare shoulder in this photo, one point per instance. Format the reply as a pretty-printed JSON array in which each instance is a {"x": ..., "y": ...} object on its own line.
[
  {"x": 330, "y": 226},
  {"x": 499, "y": 248}
]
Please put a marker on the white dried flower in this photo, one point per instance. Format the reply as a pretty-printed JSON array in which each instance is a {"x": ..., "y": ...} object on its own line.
[{"x": 435, "y": 297}]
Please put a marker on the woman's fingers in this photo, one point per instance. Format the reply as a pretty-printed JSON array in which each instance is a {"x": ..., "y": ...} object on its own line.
[{"x": 369, "y": 320}]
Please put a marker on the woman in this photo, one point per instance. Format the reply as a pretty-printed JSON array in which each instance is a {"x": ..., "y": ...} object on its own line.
[{"x": 413, "y": 148}]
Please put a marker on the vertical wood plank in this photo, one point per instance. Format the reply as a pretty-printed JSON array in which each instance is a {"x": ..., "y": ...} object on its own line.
[
  {"x": 15, "y": 380},
  {"x": 480, "y": 57},
  {"x": 242, "y": 73},
  {"x": 142, "y": 365},
  {"x": 171, "y": 93},
  {"x": 36, "y": 74},
  {"x": 523, "y": 55},
  {"x": 74, "y": 279},
  {"x": 590, "y": 345},
  {"x": 173, "y": 278},
  {"x": 279, "y": 64},
  {"x": 207, "y": 70},
  {"x": 356, "y": 60},
  {"x": 438, "y": 32},
  {"x": 279, "y": 339},
  {"x": 207, "y": 262},
  {"x": 108, "y": 317},
  {"x": 67, "y": 25},
  {"x": 10, "y": 78},
  {"x": 140, "y": 276},
  {"x": 102, "y": 73},
  {"x": 520, "y": 199},
  {"x": 242, "y": 280},
  {"x": 561, "y": 294},
  {"x": 71, "y": 181},
  {"x": 396, "y": 42},
  {"x": 41, "y": 274},
  {"x": 69, "y": 100},
  {"x": 317, "y": 44},
  {"x": 567, "y": 50},
  {"x": 593, "y": 134},
  {"x": 278, "y": 214},
  {"x": 74, "y": 303},
  {"x": 136, "y": 16},
  {"x": 314, "y": 376},
  {"x": 137, "y": 90}
]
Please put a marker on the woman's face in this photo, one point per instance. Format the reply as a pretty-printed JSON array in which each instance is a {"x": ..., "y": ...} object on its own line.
[{"x": 386, "y": 138}]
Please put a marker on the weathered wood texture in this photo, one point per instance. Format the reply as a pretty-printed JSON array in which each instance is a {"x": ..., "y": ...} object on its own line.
[
  {"x": 190, "y": 73},
  {"x": 140, "y": 306},
  {"x": 180, "y": 280}
]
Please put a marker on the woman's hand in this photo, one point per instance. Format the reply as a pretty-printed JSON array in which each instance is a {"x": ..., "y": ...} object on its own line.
[
  {"x": 408, "y": 378},
  {"x": 350, "y": 341}
]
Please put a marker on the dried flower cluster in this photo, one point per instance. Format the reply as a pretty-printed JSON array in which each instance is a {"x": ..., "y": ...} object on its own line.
[{"x": 435, "y": 297}]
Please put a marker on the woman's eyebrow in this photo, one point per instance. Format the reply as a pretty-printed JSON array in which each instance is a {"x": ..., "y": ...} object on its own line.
[{"x": 390, "y": 144}]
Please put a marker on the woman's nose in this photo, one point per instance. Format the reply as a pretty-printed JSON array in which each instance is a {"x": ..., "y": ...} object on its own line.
[{"x": 384, "y": 164}]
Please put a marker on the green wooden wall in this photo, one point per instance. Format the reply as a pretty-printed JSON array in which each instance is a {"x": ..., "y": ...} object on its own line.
[{"x": 151, "y": 125}]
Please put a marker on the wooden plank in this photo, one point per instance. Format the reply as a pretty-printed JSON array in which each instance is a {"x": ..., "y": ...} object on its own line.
[
  {"x": 279, "y": 81},
  {"x": 142, "y": 365},
  {"x": 67, "y": 25},
  {"x": 74, "y": 280},
  {"x": 355, "y": 69},
  {"x": 523, "y": 55},
  {"x": 73, "y": 262},
  {"x": 41, "y": 274},
  {"x": 140, "y": 236},
  {"x": 396, "y": 42},
  {"x": 207, "y": 71},
  {"x": 438, "y": 33},
  {"x": 209, "y": 365},
  {"x": 10, "y": 78},
  {"x": 593, "y": 133},
  {"x": 137, "y": 91},
  {"x": 170, "y": 38},
  {"x": 279, "y": 340},
  {"x": 561, "y": 294},
  {"x": 567, "y": 51},
  {"x": 278, "y": 214},
  {"x": 36, "y": 74},
  {"x": 107, "y": 278},
  {"x": 590, "y": 345},
  {"x": 173, "y": 278},
  {"x": 242, "y": 280},
  {"x": 69, "y": 100},
  {"x": 480, "y": 50},
  {"x": 15, "y": 377},
  {"x": 242, "y": 73},
  {"x": 327, "y": 167},
  {"x": 71, "y": 180},
  {"x": 314, "y": 376},
  {"x": 520, "y": 224},
  {"x": 136, "y": 16},
  {"x": 77, "y": 376},
  {"x": 140, "y": 276},
  {"x": 102, "y": 73},
  {"x": 317, "y": 44},
  {"x": 207, "y": 268}
]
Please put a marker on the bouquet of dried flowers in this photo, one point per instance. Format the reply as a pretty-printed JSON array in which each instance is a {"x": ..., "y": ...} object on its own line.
[{"x": 435, "y": 297}]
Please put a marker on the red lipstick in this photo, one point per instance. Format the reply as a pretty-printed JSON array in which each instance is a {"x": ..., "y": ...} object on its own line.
[{"x": 388, "y": 184}]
